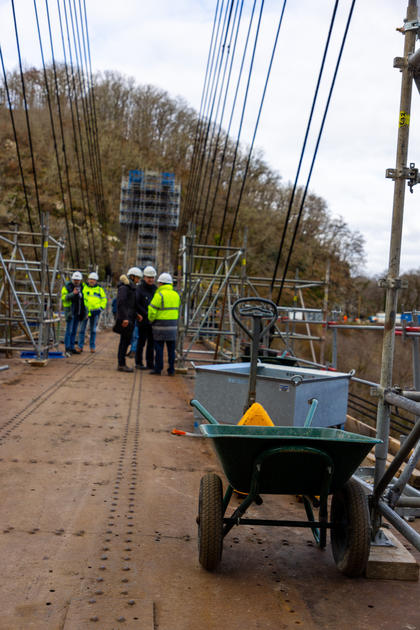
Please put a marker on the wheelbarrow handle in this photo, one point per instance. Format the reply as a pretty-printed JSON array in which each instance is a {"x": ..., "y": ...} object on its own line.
[
  {"x": 255, "y": 312},
  {"x": 206, "y": 414}
]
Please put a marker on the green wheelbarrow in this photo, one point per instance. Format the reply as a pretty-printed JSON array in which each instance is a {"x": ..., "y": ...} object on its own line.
[{"x": 312, "y": 462}]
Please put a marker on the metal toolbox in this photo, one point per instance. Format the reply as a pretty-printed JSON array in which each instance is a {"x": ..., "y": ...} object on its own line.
[{"x": 283, "y": 391}]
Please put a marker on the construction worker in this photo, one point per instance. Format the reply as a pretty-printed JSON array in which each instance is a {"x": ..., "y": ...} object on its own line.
[
  {"x": 126, "y": 313},
  {"x": 163, "y": 312},
  {"x": 95, "y": 302},
  {"x": 74, "y": 308},
  {"x": 144, "y": 293}
]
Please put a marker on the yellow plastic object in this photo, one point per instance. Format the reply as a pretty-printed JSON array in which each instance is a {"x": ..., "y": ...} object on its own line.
[{"x": 256, "y": 415}]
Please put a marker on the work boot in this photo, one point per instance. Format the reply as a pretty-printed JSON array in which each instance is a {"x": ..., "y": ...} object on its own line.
[
  {"x": 75, "y": 351},
  {"x": 124, "y": 368},
  {"x": 92, "y": 350},
  {"x": 141, "y": 367}
]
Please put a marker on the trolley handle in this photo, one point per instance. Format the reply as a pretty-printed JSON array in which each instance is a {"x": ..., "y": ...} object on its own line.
[{"x": 260, "y": 312}]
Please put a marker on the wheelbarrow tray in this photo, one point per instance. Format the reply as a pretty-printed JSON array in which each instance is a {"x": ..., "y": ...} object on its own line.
[{"x": 294, "y": 471}]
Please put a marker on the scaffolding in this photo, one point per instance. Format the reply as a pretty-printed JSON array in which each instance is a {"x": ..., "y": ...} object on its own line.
[
  {"x": 211, "y": 278},
  {"x": 30, "y": 266},
  {"x": 149, "y": 210}
]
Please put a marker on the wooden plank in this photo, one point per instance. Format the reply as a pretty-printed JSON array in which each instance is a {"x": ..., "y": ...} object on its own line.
[{"x": 392, "y": 563}]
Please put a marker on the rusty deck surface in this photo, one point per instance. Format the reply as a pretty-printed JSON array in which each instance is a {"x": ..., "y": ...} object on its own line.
[{"x": 97, "y": 525}]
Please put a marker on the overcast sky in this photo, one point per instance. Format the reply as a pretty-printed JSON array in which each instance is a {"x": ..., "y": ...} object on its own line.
[{"x": 166, "y": 43}]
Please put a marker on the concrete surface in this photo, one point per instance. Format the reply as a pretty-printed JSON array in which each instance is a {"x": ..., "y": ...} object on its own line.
[{"x": 97, "y": 526}]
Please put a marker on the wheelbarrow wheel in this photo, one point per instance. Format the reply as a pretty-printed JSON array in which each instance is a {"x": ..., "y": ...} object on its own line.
[
  {"x": 210, "y": 521},
  {"x": 350, "y": 533}
]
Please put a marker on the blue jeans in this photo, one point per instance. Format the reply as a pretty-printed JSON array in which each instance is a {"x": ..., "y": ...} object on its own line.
[
  {"x": 71, "y": 331},
  {"x": 170, "y": 345},
  {"x": 93, "y": 323},
  {"x": 134, "y": 338}
]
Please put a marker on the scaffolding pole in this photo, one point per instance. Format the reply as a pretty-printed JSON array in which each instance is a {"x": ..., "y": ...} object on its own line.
[{"x": 29, "y": 295}]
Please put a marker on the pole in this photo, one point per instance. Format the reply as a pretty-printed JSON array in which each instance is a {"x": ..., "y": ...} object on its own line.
[
  {"x": 325, "y": 312},
  {"x": 42, "y": 335},
  {"x": 392, "y": 281}
]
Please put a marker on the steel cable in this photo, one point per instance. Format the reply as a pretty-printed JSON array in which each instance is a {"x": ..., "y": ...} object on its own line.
[
  {"x": 19, "y": 157},
  {"x": 244, "y": 179},
  {"x": 232, "y": 173},
  {"x": 28, "y": 126},
  {"x": 75, "y": 72},
  {"x": 200, "y": 121},
  {"x": 227, "y": 136},
  {"x": 208, "y": 115},
  {"x": 87, "y": 122},
  {"x": 73, "y": 105},
  {"x": 212, "y": 155},
  {"x": 308, "y": 126},
  {"x": 54, "y": 136},
  {"x": 315, "y": 151},
  {"x": 217, "y": 94}
]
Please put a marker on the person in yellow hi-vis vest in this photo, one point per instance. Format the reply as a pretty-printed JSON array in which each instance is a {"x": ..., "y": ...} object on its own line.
[
  {"x": 163, "y": 313},
  {"x": 95, "y": 302}
]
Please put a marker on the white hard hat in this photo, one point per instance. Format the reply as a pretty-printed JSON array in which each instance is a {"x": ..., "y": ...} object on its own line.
[
  {"x": 77, "y": 276},
  {"x": 135, "y": 271},
  {"x": 165, "y": 278},
  {"x": 149, "y": 271},
  {"x": 93, "y": 276}
]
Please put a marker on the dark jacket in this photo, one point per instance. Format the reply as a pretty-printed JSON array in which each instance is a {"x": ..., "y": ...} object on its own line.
[
  {"x": 126, "y": 300},
  {"x": 144, "y": 295},
  {"x": 78, "y": 308}
]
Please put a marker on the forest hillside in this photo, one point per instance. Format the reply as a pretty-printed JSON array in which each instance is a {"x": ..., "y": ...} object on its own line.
[{"x": 66, "y": 151}]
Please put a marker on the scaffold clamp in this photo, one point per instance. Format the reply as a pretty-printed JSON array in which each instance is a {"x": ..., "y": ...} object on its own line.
[
  {"x": 410, "y": 173},
  {"x": 392, "y": 283}
]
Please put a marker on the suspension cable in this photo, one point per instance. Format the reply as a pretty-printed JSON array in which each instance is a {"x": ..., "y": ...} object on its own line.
[
  {"x": 103, "y": 214},
  {"x": 28, "y": 126},
  {"x": 54, "y": 136},
  {"x": 214, "y": 143},
  {"x": 12, "y": 118},
  {"x": 244, "y": 179},
  {"x": 72, "y": 103},
  {"x": 86, "y": 116},
  {"x": 241, "y": 123},
  {"x": 308, "y": 126},
  {"x": 75, "y": 72},
  {"x": 63, "y": 144},
  {"x": 316, "y": 149},
  {"x": 200, "y": 120},
  {"x": 208, "y": 116},
  {"x": 227, "y": 136}
]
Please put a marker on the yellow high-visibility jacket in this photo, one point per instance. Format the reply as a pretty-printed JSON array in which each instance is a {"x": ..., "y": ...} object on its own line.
[
  {"x": 95, "y": 298},
  {"x": 163, "y": 313}
]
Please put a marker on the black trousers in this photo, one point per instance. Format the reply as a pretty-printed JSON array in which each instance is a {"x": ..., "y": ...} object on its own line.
[
  {"x": 145, "y": 339},
  {"x": 125, "y": 339}
]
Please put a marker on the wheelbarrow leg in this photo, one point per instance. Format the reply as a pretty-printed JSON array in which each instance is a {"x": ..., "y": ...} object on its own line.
[
  {"x": 227, "y": 498},
  {"x": 310, "y": 515},
  {"x": 238, "y": 513},
  {"x": 323, "y": 518}
]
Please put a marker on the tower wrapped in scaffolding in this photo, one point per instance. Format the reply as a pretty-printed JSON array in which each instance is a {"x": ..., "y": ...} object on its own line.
[{"x": 149, "y": 210}]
